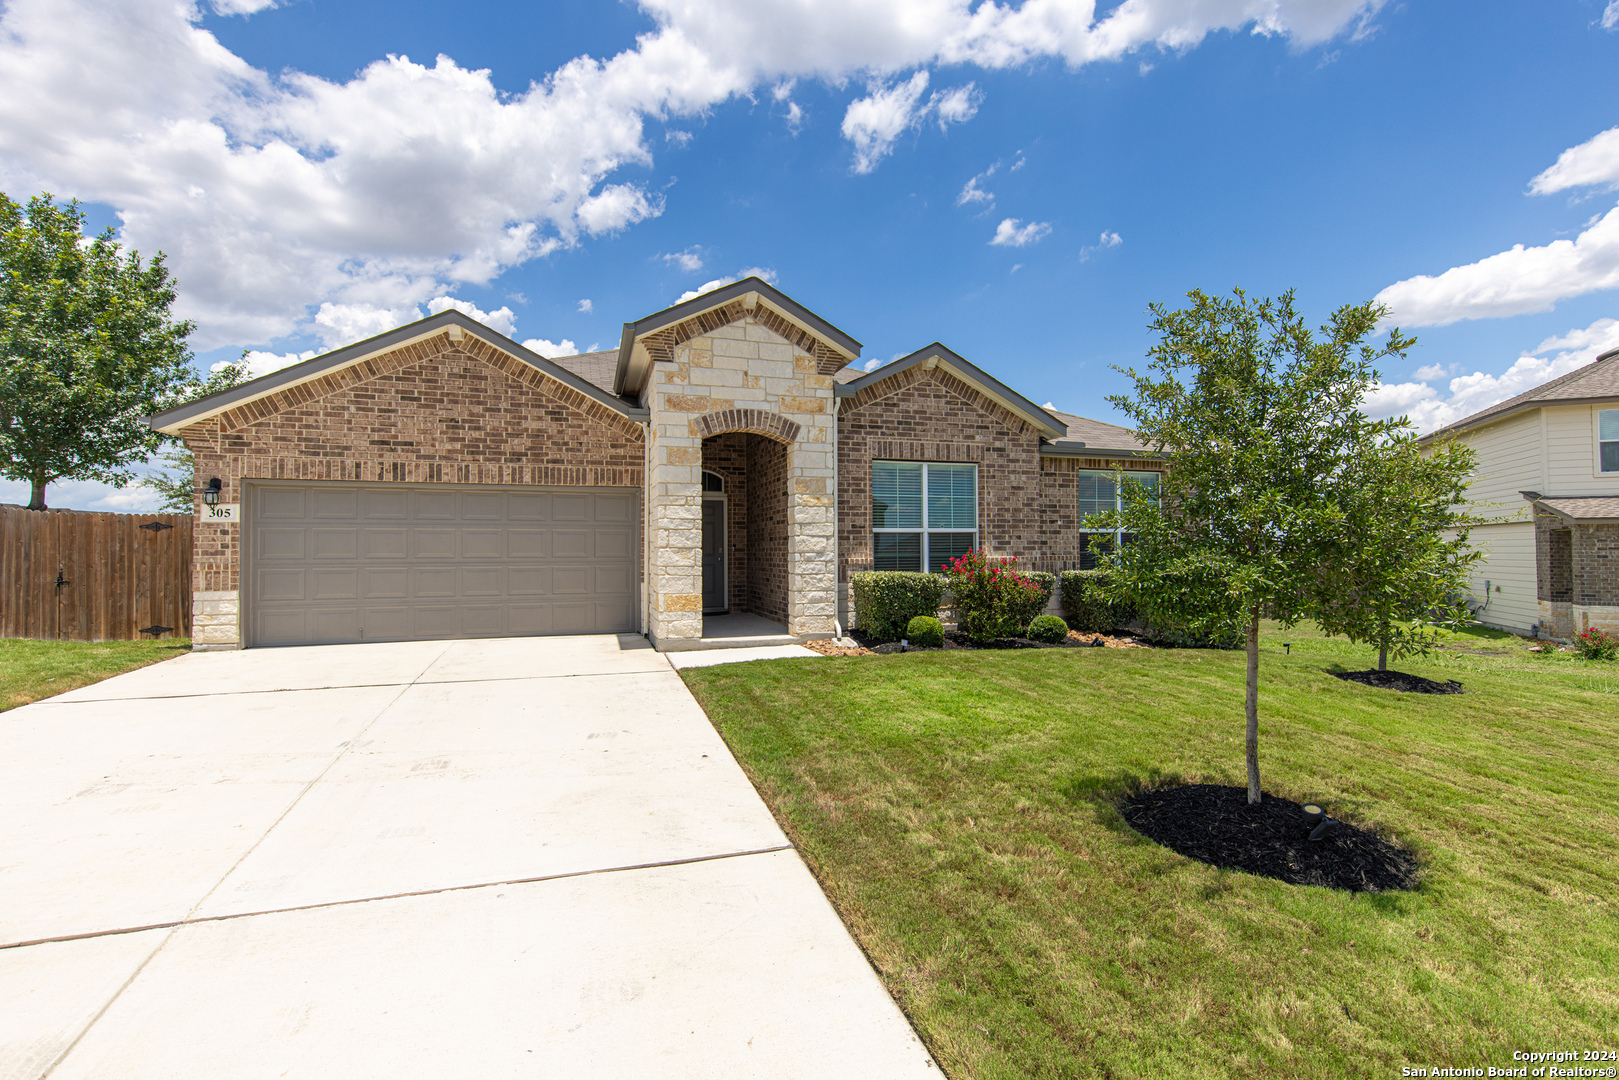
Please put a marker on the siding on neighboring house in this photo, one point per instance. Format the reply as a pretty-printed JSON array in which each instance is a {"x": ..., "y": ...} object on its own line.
[
  {"x": 1571, "y": 447},
  {"x": 1510, "y": 461}
]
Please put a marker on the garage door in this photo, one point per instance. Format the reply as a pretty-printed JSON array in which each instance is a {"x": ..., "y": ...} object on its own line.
[{"x": 338, "y": 562}]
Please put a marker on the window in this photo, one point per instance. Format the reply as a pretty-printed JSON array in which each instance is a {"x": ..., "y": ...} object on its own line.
[
  {"x": 1608, "y": 439},
  {"x": 922, "y": 515},
  {"x": 1099, "y": 493},
  {"x": 713, "y": 482}
]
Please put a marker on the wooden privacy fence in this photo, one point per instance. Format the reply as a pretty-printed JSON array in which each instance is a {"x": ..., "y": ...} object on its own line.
[{"x": 69, "y": 575}]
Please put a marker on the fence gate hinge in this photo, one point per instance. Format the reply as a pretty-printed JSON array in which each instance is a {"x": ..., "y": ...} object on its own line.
[
  {"x": 60, "y": 580},
  {"x": 156, "y": 526},
  {"x": 155, "y": 629}
]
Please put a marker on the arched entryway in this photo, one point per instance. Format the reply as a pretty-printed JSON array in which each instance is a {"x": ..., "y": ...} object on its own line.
[{"x": 745, "y": 534}]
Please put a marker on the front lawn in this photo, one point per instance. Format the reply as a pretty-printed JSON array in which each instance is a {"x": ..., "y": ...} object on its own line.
[
  {"x": 30, "y": 670},
  {"x": 959, "y": 809}
]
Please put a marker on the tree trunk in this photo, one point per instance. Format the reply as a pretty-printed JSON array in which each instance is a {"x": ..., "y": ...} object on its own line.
[
  {"x": 1253, "y": 707},
  {"x": 36, "y": 498},
  {"x": 1383, "y": 656}
]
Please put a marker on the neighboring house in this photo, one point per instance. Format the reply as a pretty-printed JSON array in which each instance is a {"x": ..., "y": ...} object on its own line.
[
  {"x": 1548, "y": 487},
  {"x": 442, "y": 481}
]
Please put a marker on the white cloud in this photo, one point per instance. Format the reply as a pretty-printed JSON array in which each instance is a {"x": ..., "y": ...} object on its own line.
[
  {"x": 278, "y": 195},
  {"x": 1108, "y": 240},
  {"x": 795, "y": 116},
  {"x": 1610, "y": 15},
  {"x": 502, "y": 320},
  {"x": 262, "y": 363},
  {"x": 689, "y": 261},
  {"x": 551, "y": 349},
  {"x": 873, "y": 364},
  {"x": 973, "y": 193},
  {"x": 709, "y": 286},
  {"x": 874, "y": 122},
  {"x": 1429, "y": 409},
  {"x": 1010, "y": 233},
  {"x": 1595, "y": 161},
  {"x": 1514, "y": 282},
  {"x": 1428, "y": 372},
  {"x": 344, "y": 324},
  {"x": 586, "y": 307}
]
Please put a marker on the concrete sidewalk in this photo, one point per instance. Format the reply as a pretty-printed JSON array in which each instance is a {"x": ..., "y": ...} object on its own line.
[{"x": 521, "y": 857}]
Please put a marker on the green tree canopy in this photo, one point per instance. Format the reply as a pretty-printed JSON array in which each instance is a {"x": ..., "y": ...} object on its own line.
[
  {"x": 88, "y": 349},
  {"x": 1398, "y": 559},
  {"x": 1261, "y": 420}
]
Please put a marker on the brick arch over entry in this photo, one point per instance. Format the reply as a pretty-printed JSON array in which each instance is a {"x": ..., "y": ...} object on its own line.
[{"x": 751, "y": 421}]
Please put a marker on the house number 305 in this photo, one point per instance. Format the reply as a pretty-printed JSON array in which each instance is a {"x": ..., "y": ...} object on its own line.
[{"x": 222, "y": 512}]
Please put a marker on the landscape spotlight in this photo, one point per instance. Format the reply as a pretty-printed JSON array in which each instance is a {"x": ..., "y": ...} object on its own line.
[
  {"x": 210, "y": 494},
  {"x": 1288, "y": 645}
]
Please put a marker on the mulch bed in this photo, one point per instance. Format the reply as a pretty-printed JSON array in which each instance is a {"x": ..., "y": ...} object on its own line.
[
  {"x": 1214, "y": 824},
  {"x": 1401, "y": 681},
  {"x": 955, "y": 639}
]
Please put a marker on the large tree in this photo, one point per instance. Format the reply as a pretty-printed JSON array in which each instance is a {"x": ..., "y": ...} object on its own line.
[
  {"x": 1397, "y": 561},
  {"x": 1260, "y": 418},
  {"x": 88, "y": 349}
]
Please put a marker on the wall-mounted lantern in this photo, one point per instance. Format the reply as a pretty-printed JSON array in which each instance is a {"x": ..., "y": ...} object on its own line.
[{"x": 210, "y": 494}]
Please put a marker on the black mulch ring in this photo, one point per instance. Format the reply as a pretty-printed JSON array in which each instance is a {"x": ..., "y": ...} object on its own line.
[
  {"x": 1215, "y": 824},
  {"x": 1401, "y": 681}
]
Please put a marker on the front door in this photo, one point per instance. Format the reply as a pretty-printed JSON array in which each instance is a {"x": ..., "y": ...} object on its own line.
[{"x": 714, "y": 556}]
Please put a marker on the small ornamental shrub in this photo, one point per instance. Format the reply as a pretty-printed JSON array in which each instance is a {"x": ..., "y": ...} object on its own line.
[
  {"x": 993, "y": 598},
  {"x": 1047, "y": 628},
  {"x": 1085, "y": 606},
  {"x": 886, "y": 600},
  {"x": 925, "y": 632},
  {"x": 1046, "y": 582},
  {"x": 1596, "y": 644}
]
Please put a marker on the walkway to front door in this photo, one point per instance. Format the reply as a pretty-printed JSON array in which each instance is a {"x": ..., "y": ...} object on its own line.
[{"x": 510, "y": 857}]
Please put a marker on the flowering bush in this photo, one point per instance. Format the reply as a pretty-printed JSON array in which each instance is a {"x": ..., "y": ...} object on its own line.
[
  {"x": 993, "y": 599},
  {"x": 1595, "y": 644}
]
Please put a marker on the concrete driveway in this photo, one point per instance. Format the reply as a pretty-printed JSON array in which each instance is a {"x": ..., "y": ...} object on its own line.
[{"x": 522, "y": 857}]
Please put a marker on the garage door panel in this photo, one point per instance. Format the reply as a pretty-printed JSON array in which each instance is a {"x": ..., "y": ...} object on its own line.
[
  {"x": 384, "y": 544},
  {"x": 612, "y": 544},
  {"x": 335, "y": 584},
  {"x": 282, "y": 543},
  {"x": 570, "y": 544},
  {"x": 329, "y": 561},
  {"x": 528, "y": 543},
  {"x": 384, "y": 583},
  {"x": 335, "y": 543},
  {"x": 427, "y": 583},
  {"x": 483, "y": 543},
  {"x": 432, "y": 543}
]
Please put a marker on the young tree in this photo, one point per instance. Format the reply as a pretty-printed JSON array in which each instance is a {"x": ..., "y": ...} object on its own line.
[
  {"x": 1260, "y": 417},
  {"x": 87, "y": 349},
  {"x": 1398, "y": 558},
  {"x": 176, "y": 481}
]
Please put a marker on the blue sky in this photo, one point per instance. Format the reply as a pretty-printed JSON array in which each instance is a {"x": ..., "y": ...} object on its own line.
[{"x": 309, "y": 190}]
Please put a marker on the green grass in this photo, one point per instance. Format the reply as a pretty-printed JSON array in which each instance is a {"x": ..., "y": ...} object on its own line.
[
  {"x": 31, "y": 670},
  {"x": 959, "y": 809}
]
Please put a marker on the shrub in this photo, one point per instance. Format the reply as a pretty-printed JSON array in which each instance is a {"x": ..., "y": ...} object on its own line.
[
  {"x": 993, "y": 599},
  {"x": 886, "y": 600},
  {"x": 1085, "y": 605},
  {"x": 1047, "y": 584},
  {"x": 1047, "y": 628},
  {"x": 925, "y": 632},
  {"x": 1595, "y": 644}
]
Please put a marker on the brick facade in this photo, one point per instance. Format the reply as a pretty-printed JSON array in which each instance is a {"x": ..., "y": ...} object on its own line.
[
  {"x": 924, "y": 414},
  {"x": 1576, "y": 575},
  {"x": 433, "y": 411},
  {"x": 767, "y": 528},
  {"x": 1554, "y": 559},
  {"x": 1060, "y": 513}
]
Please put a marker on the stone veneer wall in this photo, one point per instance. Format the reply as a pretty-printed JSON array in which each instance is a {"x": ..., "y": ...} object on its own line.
[
  {"x": 729, "y": 378},
  {"x": 930, "y": 415},
  {"x": 432, "y": 411},
  {"x": 767, "y": 528}
]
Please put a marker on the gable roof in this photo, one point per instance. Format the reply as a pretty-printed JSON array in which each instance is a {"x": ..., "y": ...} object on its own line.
[
  {"x": 1086, "y": 436},
  {"x": 1041, "y": 420},
  {"x": 1594, "y": 382},
  {"x": 635, "y": 360},
  {"x": 172, "y": 420},
  {"x": 593, "y": 367}
]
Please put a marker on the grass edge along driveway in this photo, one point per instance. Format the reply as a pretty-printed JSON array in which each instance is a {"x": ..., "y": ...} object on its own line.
[
  {"x": 33, "y": 670},
  {"x": 959, "y": 810}
]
